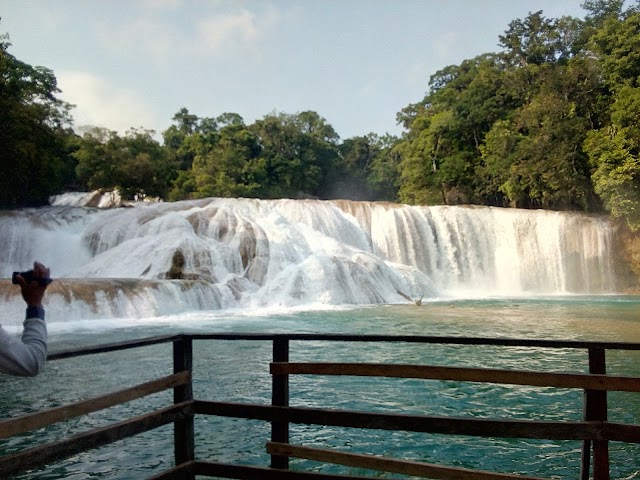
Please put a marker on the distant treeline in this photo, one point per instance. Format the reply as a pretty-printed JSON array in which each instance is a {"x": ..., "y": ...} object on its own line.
[{"x": 551, "y": 121}]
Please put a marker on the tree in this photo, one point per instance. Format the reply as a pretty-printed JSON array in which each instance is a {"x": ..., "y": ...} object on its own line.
[
  {"x": 96, "y": 159},
  {"x": 384, "y": 171},
  {"x": 310, "y": 123},
  {"x": 146, "y": 168},
  {"x": 136, "y": 165},
  {"x": 229, "y": 119},
  {"x": 508, "y": 129},
  {"x": 441, "y": 151},
  {"x": 34, "y": 131},
  {"x": 537, "y": 40},
  {"x": 178, "y": 137},
  {"x": 230, "y": 168},
  {"x": 534, "y": 158},
  {"x": 422, "y": 159},
  {"x": 614, "y": 153},
  {"x": 602, "y": 10},
  {"x": 546, "y": 167},
  {"x": 617, "y": 45},
  {"x": 499, "y": 154},
  {"x": 369, "y": 170},
  {"x": 300, "y": 154}
]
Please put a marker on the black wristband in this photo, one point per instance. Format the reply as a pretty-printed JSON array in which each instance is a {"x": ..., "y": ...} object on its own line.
[{"x": 35, "y": 312}]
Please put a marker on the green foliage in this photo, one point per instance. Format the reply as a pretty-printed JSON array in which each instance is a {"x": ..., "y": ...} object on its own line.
[
  {"x": 384, "y": 171},
  {"x": 614, "y": 152},
  {"x": 537, "y": 40},
  {"x": 441, "y": 151},
  {"x": 189, "y": 135},
  {"x": 278, "y": 156},
  {"x": 601, "y": 10},
  {"x": 184, "y": 186},
  {"x": 34, "y": 133},
  {"x": 551, "y": 121},
  {"x": 299, "y": 153},
  {"x": 136, "y": 164},
  {"x": 617, "y": 44},
  {"x": 532, "y": 159},
  {"x": 230, "y": 168},
  {"x": 369, "y": 169},
  {"x": 614, "y": 148}
]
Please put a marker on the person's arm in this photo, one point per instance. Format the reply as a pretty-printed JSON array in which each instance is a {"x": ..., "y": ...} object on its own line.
[{"x": 25, "y": 357}]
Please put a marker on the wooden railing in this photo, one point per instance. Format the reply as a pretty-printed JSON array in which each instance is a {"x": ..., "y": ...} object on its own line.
[{"x": 594, "y": 430}]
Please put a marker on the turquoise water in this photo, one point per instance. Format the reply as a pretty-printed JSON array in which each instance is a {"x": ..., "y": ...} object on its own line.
[{"x": 238, "y": 371}]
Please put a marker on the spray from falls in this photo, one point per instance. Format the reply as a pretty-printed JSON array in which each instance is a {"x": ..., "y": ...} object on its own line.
[{"x": 217, "y": 254}]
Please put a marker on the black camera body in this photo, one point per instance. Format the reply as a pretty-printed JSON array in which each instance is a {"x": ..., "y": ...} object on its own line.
[{"x": 28, "y": 277}]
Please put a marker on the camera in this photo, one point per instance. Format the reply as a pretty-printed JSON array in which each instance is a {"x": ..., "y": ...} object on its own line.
[{"x": 28, "y": 276}]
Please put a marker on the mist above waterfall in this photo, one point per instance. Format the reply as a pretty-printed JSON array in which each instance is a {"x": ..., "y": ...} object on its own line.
[{"x": 245, "y": 253}]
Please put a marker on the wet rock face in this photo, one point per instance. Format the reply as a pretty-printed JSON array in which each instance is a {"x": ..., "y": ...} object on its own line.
[{"x": 176, "y": 272}]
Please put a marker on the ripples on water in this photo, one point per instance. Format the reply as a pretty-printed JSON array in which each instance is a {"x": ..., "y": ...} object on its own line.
[{"x": 238, "y": 371}]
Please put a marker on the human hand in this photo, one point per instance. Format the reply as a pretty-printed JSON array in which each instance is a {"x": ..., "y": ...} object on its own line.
[{"x": 33, "y": 292}]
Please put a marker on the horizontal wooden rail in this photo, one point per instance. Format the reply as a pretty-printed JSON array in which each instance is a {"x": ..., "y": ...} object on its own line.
[
  {"x": 621, "y": 432},
  {"x": 504, "y": 342},
  {"x": 512, "y": 377},
  {"x": 34, "y": 457},
  {"x": 16, "y": 426},
  {"x": 112, "y": 347},
  {"x": 504, "y": 428},
  {"x": 246, "y": 472},
  {"x": 391, "y": 465},
  {"x": 440, "y": 340},
  {"x": 179, "y": 472}
]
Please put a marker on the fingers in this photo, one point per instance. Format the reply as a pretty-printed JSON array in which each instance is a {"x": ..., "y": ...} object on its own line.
[
  {"x": 33, "y": 292},
  {"x": 21, "y": 281},
  {"x": 40, "y": 271}
]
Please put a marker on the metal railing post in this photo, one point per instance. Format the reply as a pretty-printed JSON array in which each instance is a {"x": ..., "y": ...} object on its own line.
[
  {"x": 280, "y": 398},
  {"x": 184, "y": 433},
  {"x": 595, "y": 408}
]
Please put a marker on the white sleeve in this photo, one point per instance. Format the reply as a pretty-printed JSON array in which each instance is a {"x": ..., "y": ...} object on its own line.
[{"x": 27, "y": 356}]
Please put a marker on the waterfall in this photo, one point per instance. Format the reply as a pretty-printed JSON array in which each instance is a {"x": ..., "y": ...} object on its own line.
[{"x": 215, "y": 254}]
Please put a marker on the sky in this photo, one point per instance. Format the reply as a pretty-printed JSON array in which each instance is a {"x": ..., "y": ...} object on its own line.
[{"x": 357, "y": 63}]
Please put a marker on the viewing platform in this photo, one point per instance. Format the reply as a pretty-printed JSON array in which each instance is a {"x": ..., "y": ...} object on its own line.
[{"x": 594, "y": 431}]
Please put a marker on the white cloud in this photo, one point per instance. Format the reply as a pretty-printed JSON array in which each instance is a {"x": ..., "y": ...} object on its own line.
[
  {"x": 228, "y": 33},
  {"x": 220, "y": 32},
  {"x": 103, "y": 105},
  {"x": 145, "y": 35}
]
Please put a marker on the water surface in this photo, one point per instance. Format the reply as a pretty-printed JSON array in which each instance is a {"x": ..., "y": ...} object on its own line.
[{"x": 238, "y": 371}]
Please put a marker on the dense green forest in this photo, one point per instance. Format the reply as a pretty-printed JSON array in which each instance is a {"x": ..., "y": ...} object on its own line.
[{"x": 551, "y": 121}]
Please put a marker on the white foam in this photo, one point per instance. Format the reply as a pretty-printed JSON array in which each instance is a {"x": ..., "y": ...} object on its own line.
[{"x": 283, "y": 255}]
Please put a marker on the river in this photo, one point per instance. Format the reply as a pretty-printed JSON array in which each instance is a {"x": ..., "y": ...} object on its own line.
[
  {"x": 238, "y": 371},
  {"x": 239, "y": 265}
]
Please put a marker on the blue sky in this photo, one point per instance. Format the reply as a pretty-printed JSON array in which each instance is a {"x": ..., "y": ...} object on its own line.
[{"x": 355, "y": 62}]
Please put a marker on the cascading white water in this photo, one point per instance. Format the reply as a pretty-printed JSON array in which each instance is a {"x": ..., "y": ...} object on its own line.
[{"x": 244, "y": 253}]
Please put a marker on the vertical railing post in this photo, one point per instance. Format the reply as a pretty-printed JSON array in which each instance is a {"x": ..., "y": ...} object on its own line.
[
  {"x": 184, "y": 434},
  {"x": 280, "y": 398},
  {"x": 595, "y": 409}
]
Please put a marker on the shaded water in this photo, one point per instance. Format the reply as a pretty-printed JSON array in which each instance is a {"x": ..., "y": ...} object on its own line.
[{"x": 238, "y": 371}]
